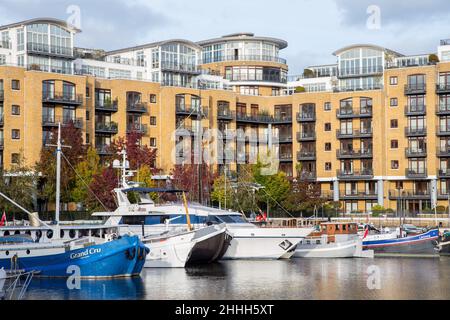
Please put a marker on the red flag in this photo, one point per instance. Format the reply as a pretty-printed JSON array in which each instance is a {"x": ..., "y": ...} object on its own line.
[
  {"x": 366, "y": 233},
  {"x": 3, "y": 221}
]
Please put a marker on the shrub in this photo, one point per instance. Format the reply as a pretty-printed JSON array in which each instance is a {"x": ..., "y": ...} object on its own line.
[
  {"x": 308, "y": 73},
  {"x": 433, "y": 58},
  {"x": 300, "y": 90},
  {"x": 441, "y": 209}
]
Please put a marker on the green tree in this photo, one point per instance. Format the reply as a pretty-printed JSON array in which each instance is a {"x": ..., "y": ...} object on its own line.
[
  {"x": 221, "y": 194},
  {"x": 19, "y": 184},
  {"x": 86, "y": 170}
]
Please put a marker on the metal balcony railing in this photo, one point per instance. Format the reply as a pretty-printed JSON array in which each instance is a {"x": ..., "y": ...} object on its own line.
[
  {"x": 107, "y": 105},
  {"x": 415, "y": 110},
  {"x": 62, "y": 98},
  {"x": 355, "y": 174},
  {"x": 415, "y": 132},
  {"x": 354, "y": 154},
  {"x": 306, "y": 117},
  {"x": 140, "y": 107},
  {"x": 416, "y": 173},
  {"x": 41, "y": 48},
  {"x": 352, "y": 134},
  {"x": 106, "y": 127},
  {"x": 137, "y": 127},
  {"x": 343, "y": 113},
  {"x": 415, "y": 152},
  {"x": 415, "y": 88},
  {"x": 53, "y": 121}
]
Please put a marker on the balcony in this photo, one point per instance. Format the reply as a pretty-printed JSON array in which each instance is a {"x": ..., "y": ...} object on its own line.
[
  {"x": 66, "y": 98},
  {"x": 443, "y": 88},
  {"x": 137, "y": 127},
  {"x": 359, "y": 195},
  {"x": 306, "y": 136},
  {"x": 354, "y": 134},
  {"x": 416, "y": 173},
  {"x": 284, "y": 138},
  {"x": 278, "y": 119},
  {"x": 416, "y": 153},
  {"x": 53, "y": 121},
  {"x": 420, "y": 110},
  {"x": 2, "y": 119},
  {"x": 106, "y": 127},
  {"x": 286, "y": 157},
  {"x": 187, "y": 111},
  {"x": 180, "y": 67},
  {"x": 104, "y": 150},
  {"x": 306, "y": 117},
  {"x": 360, "y": 72},
  {"x": 225, "y": 114},
  {"x": 139, "y": 107},
  {"x": 49, "y": 50},
  {"x": 354, "y": 154},
  {"x": 442, "y": 131},
  {"x": 306, "y": 156},
  {"x": 347, "y": 113},
  {"x": 254, "y": 118},
  {"x": 415, "y": 132},
  {"x": 257, "y": 57},
  {"x": 443, "y": 109},
  {"x": 2, "y": 95},
  {"x": 444, "y": 174},
  {"x": 107, "y": 105},
  {"x": 409, "y": 194},
  {"x": 2, "y": 143},
  {"x": 307, "y": 176},
  {"x": 418, "y": 88},
  {"x": 443, "y": 152},
  {"x": 366, "y": 174}
]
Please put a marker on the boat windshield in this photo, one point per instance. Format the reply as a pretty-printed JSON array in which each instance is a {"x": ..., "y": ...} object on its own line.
[{"x": 231, "y": 219}]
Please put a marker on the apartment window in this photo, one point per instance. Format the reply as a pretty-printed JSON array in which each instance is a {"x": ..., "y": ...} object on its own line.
[
  {"x": 15, "y": 84},
  {"x": 328, "y": 166},
  {"x": 394, "y": 144},
  {"x": 394, "y": 123},
  {"x": 88, "y": 138},
  {"x": 15, "y": 158},
  {"x": 394, "y": 102},
  {"x": 328, "y": 146},
  {"x": 153, "y": 98},
  {"x": 153, "y": 142},
  {"x": 394, "y": 164},
  {"x": 153, "y": 121},
  {"x": 328, "y": 126},
  {"x": 15, "y": 110},
  {"x": 393, "y": 81},
  {"x": 399, "y": 185},
  {"x": 88, "y": 115},
  {"x": 88, "y": 92},
  {"x": 15, "y": 134},
  {"x": 327, "y": 106}
]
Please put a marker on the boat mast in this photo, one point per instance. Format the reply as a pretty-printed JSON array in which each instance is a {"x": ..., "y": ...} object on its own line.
[{"x": 58, "y": 183}]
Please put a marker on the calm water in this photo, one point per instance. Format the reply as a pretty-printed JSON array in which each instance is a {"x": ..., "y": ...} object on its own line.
[{"x": 295, "y": 279}]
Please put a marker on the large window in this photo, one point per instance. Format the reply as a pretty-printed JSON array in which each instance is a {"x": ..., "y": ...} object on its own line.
[{"x": 256, "y": 74}]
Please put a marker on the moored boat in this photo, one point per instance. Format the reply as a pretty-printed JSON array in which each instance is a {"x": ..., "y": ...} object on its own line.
[
  {"x": 398, "y": 243},
  {"x": 331, "y": 240}
]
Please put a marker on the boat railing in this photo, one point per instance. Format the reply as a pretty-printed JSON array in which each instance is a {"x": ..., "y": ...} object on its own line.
[{"x": 16, "y": 284}]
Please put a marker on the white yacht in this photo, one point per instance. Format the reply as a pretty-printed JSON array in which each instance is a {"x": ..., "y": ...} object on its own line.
[{"x": 248, "y": 241}]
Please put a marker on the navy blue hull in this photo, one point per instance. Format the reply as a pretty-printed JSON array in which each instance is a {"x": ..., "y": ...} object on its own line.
[
  {"x": 124, "y": 257},
  {"x": 423, "y": 244}
]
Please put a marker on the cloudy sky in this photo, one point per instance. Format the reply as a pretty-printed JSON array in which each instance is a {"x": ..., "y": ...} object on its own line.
[{"x": 313, "y": 28}]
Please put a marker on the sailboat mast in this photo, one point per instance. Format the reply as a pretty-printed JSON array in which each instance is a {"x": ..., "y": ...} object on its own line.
[{"x": 58, "y": 175}]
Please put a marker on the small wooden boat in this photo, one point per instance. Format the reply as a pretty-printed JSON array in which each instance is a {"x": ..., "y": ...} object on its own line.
[{"x": 332, "y": 240}]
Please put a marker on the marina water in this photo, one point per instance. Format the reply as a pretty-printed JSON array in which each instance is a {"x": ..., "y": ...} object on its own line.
[{"x": 299, "y": 279}]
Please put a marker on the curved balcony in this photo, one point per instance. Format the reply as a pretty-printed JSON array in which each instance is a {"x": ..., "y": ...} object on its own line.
[
  {"x": 49, "y": 50},
  {"x": 259, "y": 58},
  {"x": 66, "y": 98}
]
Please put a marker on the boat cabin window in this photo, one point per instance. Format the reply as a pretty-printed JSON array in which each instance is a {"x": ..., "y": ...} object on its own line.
[{"x": 231, "y": 219}]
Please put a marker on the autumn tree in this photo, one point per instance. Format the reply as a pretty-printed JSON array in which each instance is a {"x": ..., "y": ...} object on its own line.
[
  {"x": 74, "y": 151},
  {"x": 103, "y": 184},
  {"x": 138, "y": 154}
]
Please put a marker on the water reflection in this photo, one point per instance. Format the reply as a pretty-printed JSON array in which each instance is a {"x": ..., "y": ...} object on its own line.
[{"x": 301, "y": 279}]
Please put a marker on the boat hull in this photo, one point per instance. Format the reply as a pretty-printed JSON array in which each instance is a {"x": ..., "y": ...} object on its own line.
[
  {"x": 210, "y": 244},
  {"x": 124, "y": 257},
  {"x": 346, "y": 249},
  {"x": 417, "y": 245},
  {"x": 264, "y": 243}
]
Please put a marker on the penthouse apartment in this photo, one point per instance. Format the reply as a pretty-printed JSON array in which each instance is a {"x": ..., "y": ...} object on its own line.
[{"x": 371, "y": 129}]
